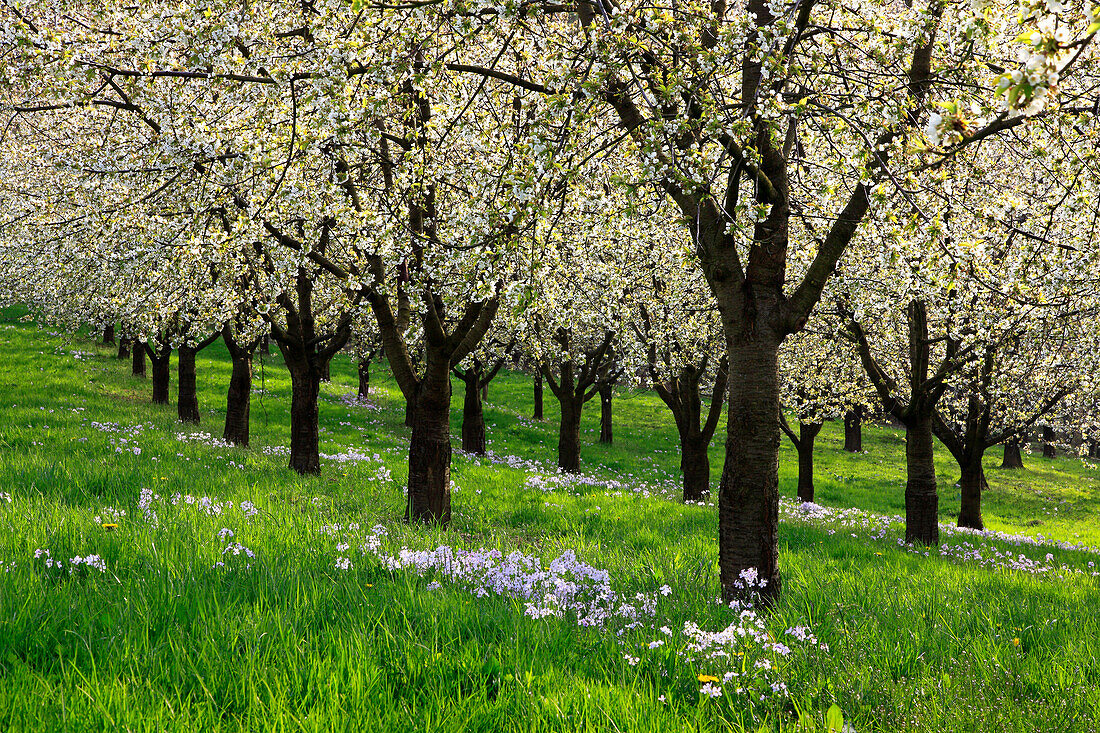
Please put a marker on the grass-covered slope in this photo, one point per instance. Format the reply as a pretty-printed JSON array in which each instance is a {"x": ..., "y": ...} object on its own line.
[{"x": 235, "y": 595}]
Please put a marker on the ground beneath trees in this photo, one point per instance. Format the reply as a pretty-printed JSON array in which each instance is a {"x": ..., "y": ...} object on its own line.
[{"x": 158, "y": 579}]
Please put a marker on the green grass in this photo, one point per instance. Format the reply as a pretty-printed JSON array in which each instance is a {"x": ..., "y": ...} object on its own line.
[{"x": 164, "y": 640}]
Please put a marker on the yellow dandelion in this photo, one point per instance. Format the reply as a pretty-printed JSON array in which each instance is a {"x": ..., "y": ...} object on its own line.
[
  {"x": 110, "y": 527},
  {"x": 1016, "y": 641},
  {"x": 707, "y": 678}
]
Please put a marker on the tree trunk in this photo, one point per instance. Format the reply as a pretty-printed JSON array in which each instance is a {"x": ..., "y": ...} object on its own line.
[
  {"x": 1094, "y": 448},
  {"x": 238, "y": 400},
  {"x": 326, "y": 372},
  {"x": 605, "y": 414},
  {"x": 537, "y": 415},
  {"x": 108, "y": 335},
  {"x": 364, "y": 377},
  {"x": 1012, "y": 458},
  {"x": 410, "y": 411},
  {"x": 695, "y": 465},
  {"x": 305, "y": 383},
  {"x": 853, "y": 431},
  {"x": 265, "y": 345},
  {"x": 971, "y": 485},
  {"x": 123, "y": 348},
  {"x": 1049, "y": 451},
  {"x": 188, "y": 402},
  {"x": 485, "y": 392},
  {"x": 473, "y": 415},
  {"x": 430, "y": 447},
  {"x": 748, "y": 494},
  {"x": 161, "y": 365},
  {"x": 569, "y": 434},
  {"x": 138, "y": 368},
  {"x": 921, "y": 499},
  {"x": 807, "y": 434}
]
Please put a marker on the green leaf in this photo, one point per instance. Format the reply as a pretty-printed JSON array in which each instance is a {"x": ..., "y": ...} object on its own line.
[{"x": 834, "y": 719}]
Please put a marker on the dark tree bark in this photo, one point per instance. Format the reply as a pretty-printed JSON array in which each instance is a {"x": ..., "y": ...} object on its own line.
[
  {"x": 537, "y": 413},
  {"x": 305, "y": 384},
  {"x": 108, "y": 335},
  {"x": 306, "y": 352},
  {"x": 695, "y": 467},
  {"x": 748, "y": 493},
  {"x": 681, "y": 395},
  {"x": 804, "y": 444},
  {"x": 123, "y": 348},
  {"x": 160, "y": 361},
  {"x": 1047, "y": 439},
  {"x": 430, "y": 447},
  {"x": 238, "y": 398},
  {"x": 304, "y": 360},
  {"x": 326, "y": 371},
  {"x": 574, "y": 386},
  {"x": 853, "y": 430},
  {"x": 922, "y": 501},
  {"x": 916, "y": 410},
  {"x": 364, "y": 377},
  {"x": 188, "y": 401},
  {"x": 972, "y": 485},
  {"x": 138, "y": 364},
  {"x": 473, "y": 416},
  {"x": 757, "y": 312},
  {"x": 569, "y": 434},
  {"x": 969, "y": 444},
  {"x": 475, "y": 380},
  {"x": 428, "y": 397},
  {"x": 1013, "y": 458},
  {"x": 606, "y": 432}
]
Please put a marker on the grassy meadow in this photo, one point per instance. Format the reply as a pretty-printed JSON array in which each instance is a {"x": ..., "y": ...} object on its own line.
[{"x": 156, "y": 580}]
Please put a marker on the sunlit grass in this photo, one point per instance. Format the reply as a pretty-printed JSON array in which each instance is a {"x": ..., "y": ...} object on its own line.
[{"x": 164, "y": 640}]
